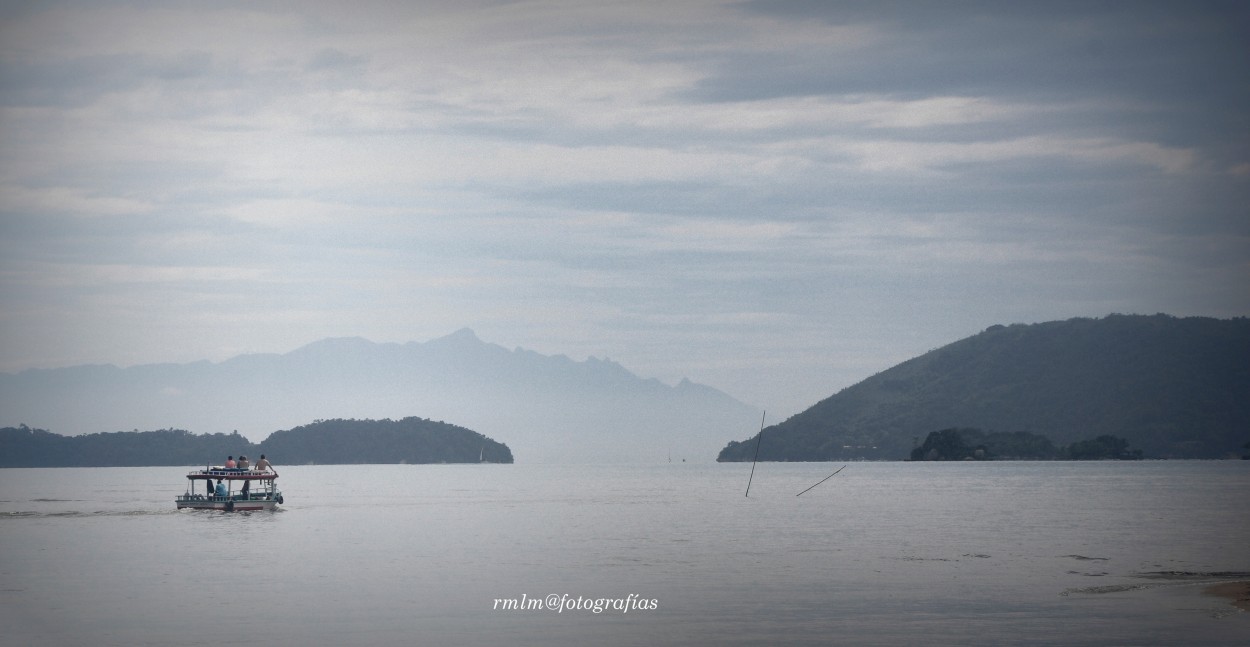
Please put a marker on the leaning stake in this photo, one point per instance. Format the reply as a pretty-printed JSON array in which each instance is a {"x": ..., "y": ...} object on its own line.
[
  {"x": 821, "y": 480},
  {"x": 757, "y": 454}
]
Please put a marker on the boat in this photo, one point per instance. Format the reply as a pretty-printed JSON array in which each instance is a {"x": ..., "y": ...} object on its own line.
[{"x": 231, "y": 490}]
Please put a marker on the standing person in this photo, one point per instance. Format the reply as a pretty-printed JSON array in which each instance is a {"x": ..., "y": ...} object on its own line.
[
  {"x": 262, "y": 464},
  {"x": 229, "y": 462},
  {"x": 243, "y": 462}
]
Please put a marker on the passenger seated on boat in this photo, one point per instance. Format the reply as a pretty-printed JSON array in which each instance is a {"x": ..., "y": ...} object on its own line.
[
  {"x": 221, "y": 488},
  {"x": 243, "y": 463},
  {"x": 230, "y": 464},
  {"x": 262, "y": 464}
]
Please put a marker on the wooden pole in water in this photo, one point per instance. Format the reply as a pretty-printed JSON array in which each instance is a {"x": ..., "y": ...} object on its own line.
[
  {"x": 757, "y": 454},
  {"x": 824, "y": 479}
]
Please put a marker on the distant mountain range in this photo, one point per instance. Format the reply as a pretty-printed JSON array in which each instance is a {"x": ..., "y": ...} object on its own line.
[
  {"x": 546, "y": 408},
  {"x": 1173, "y": 388}
]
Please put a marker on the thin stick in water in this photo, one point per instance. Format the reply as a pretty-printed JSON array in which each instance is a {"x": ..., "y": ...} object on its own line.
[
  {"x": 757, "y": 454},
  {"x": 824, "y": 479}
]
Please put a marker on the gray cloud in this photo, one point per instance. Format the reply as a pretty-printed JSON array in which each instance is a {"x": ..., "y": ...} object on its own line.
[{"x": 774, "y": 198}]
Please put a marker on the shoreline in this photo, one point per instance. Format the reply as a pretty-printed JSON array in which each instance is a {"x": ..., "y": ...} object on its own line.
[{"x": 1238, "y": 593}]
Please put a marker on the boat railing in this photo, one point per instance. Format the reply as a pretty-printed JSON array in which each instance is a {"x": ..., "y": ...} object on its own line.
[
  {"x": 215, "y": 472},
  {"x": 237, "y": 496}
]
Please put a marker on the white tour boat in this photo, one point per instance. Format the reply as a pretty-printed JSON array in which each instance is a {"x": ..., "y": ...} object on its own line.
[{"x": 230, "y": 489}]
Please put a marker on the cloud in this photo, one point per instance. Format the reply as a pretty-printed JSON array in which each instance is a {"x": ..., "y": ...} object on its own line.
[{"x": 696, "y": 189}]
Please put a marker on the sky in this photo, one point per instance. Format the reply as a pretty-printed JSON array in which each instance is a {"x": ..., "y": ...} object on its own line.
[{"x": 777, "y": 199}]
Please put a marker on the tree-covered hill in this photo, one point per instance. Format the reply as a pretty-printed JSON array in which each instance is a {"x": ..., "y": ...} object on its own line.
[
  {"x": 1171, "y": 387},
  {"x": 26, "y": 447},
  {"x": 410, "y": 440},
  {"x": 974, "y": 444}
]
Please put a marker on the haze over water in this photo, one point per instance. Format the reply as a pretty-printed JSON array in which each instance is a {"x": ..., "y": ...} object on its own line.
[{"x": 882, "y": 554}]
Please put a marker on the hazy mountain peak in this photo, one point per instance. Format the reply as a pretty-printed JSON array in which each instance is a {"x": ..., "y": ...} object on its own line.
[
  {"x": 465, "y": 334},
  {"x": 335, "y": 345},
  {"x": 546, "y": 407},
  {"x": 464, "y": 338}
]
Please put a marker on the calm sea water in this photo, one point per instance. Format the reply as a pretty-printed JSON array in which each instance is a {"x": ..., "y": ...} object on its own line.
[{"x": 882, "y": 554}]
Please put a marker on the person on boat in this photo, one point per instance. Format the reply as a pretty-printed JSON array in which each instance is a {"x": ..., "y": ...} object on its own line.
[
  {"x": 262, "y": 464},
  {"x": 230, "y": 462},
  {"x": 243, "y": 462},
  {"x": 221, "y": 488}
]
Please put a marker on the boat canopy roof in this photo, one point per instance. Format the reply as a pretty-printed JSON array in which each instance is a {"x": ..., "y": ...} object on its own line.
[{"x": 232, "y": 474}]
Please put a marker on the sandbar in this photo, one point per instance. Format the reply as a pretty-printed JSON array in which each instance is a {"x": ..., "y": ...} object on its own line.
[{"x": 1238, "y": 592}]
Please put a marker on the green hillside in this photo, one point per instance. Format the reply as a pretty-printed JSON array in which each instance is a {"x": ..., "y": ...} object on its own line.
[
  {"x": 325, "y": 442},
  {"x": 410, "y": 440},
  {"x": 1173, "y": 387}
]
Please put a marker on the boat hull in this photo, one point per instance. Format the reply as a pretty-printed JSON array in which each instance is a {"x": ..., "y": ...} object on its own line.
[{"x": 225, "y": 505}]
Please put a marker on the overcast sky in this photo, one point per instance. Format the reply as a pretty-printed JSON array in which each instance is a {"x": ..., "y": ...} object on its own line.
[{"x": 777, "y": 199}]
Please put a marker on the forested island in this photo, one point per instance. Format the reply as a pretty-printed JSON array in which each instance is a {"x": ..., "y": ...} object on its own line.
[
  {"x": 1169, "y": 387},
  {"x": 324, "y": 442},
  {"x": 975, "y": 444}
]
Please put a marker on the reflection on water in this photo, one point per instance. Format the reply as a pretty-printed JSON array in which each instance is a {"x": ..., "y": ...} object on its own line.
[{"x": 886, "y": 553}]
